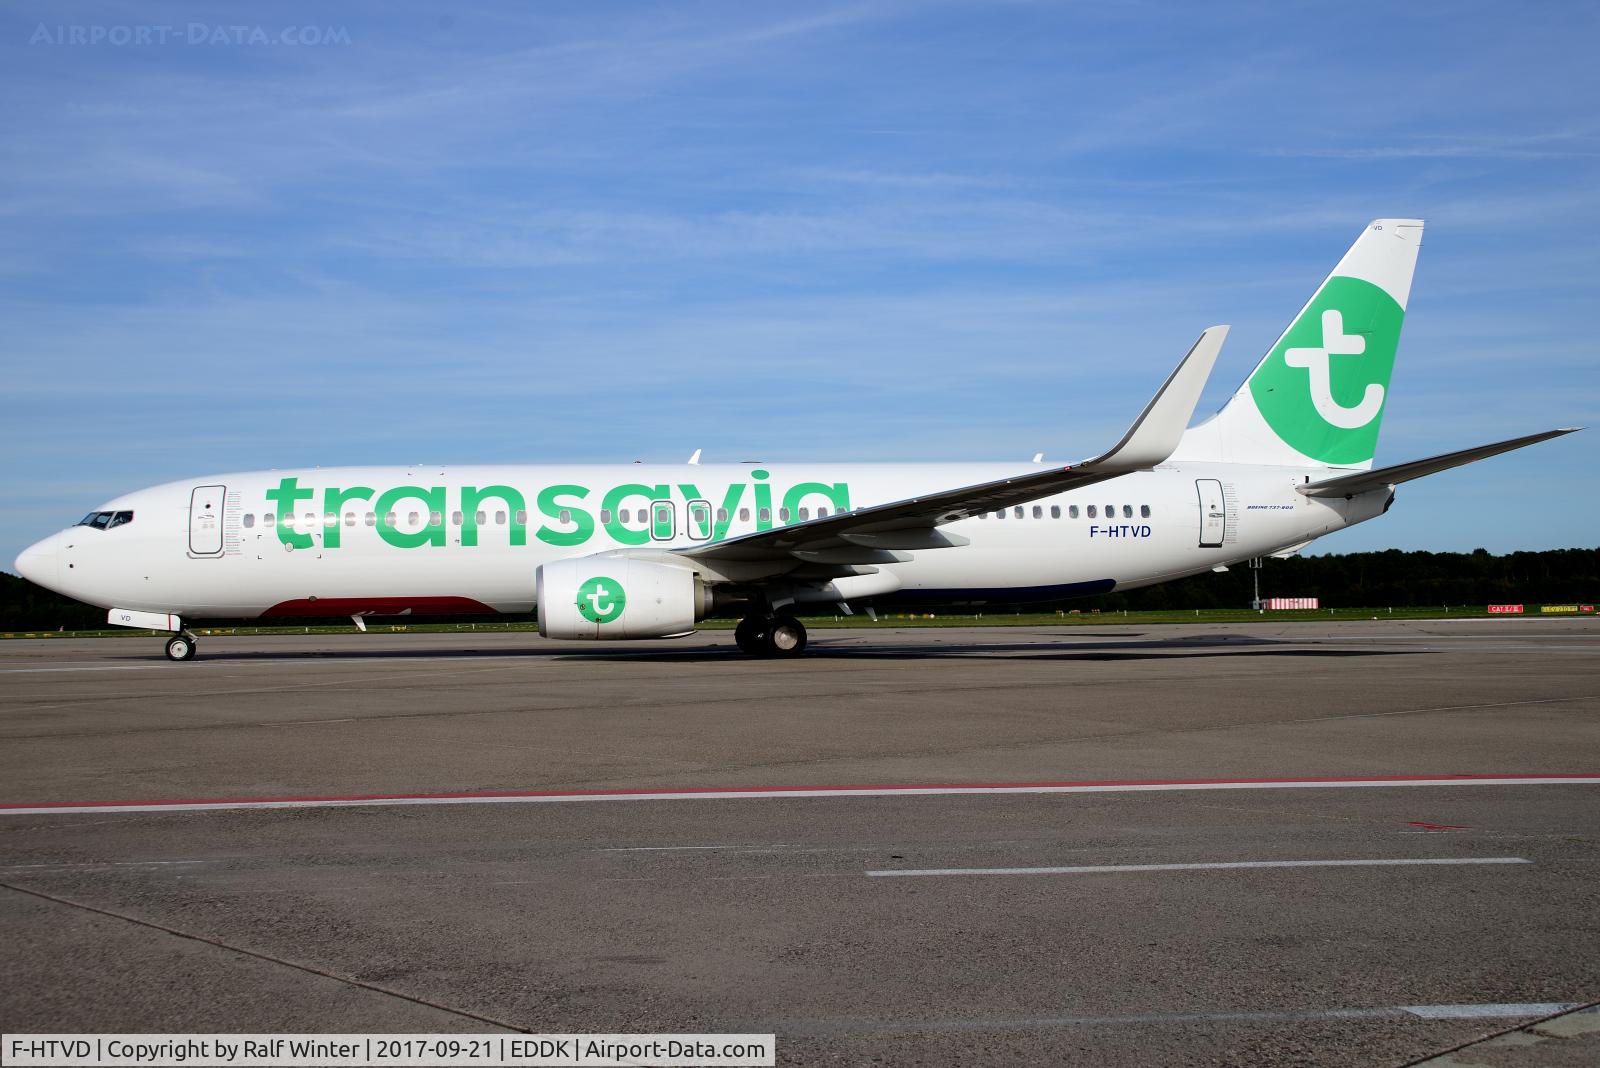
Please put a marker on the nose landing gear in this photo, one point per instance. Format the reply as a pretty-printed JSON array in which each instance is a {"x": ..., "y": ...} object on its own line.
[
  {"x": 777, "y": 635},
  {"x": 182, "y": 647}
]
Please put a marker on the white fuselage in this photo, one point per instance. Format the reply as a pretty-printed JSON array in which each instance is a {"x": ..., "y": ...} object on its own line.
[{"x": 388, "y": 540}]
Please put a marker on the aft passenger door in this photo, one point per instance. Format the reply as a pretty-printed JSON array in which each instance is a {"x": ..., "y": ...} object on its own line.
[
  {"x": 1213, "y": 513},
  {"x": 205, "y": 520}
]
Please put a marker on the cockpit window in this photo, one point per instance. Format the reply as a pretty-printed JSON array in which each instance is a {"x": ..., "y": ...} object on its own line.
[{"x": 106, "y": 520}]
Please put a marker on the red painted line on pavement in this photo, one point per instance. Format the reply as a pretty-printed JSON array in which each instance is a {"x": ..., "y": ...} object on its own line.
[{"x": 709, "y": 792}]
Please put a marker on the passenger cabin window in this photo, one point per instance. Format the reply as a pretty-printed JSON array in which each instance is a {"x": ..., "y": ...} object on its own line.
[
  {"x": 805, "y": 514},
  {"x": 766, "y": 515},
  {"x": 1017, "y": 511},
  {"x": 457, "y": 518},
  {"x": 267, "y": 519},
  {"x": 1055, "y": 511},
  {"x": 1038, "y": 512},
  {"x": 349, "y": 519},
  {"x": 372, "y": 519},
  {"x": 700, "y": 526},
  {"x": 566, "y": 515},
  {"x": 522, "y": 517},
  {"x": 1127, "y": 511},
  {"x": 1092, "y": 512},
  {"x": 783, "y": 515},
  {"x": 1144, "y": 511},
  {"x": 500, "y": 518},
  {"x": 663, "y": 521},
  {"x": 249, "y": 520},
  {"x": 1072, "y": 511},
  {"x": 822, "y": 513},
  {"x": 722, "y": 515},
  {"x": 744, "y": 515},
  {"x": 605, "y": 515}
]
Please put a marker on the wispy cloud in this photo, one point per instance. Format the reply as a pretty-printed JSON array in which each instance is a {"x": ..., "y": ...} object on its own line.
[{"x": 1427, "y": 146}]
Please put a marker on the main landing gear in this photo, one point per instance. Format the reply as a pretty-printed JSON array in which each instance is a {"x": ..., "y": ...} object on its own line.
[
  {"x": 182, "y": 646},
  {"x": 778, "y": 634}
]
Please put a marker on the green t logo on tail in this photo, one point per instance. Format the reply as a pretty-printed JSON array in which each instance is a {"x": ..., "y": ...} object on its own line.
[
  {"x": 1323, "y": 387},
  {"x": 601, "y": 600}
]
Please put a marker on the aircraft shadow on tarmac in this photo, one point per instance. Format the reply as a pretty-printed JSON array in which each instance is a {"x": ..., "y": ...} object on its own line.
[
  {"x": 848, "y": 649},
  {"x": 1035, "y": 651},
  {"x": 1057, "y": 654}
]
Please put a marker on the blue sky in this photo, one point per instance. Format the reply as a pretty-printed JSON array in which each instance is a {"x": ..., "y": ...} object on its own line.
[{"x": 439, "y": 233}]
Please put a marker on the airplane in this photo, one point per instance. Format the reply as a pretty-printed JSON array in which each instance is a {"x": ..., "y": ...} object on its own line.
[{"x": 636, "y": 551}]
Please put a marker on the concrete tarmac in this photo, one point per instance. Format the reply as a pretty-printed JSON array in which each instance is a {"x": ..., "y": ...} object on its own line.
[{"x": 1370, "y": 922}]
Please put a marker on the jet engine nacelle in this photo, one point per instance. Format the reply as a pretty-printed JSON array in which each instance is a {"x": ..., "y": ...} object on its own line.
[{"x": 596, "y": 597}]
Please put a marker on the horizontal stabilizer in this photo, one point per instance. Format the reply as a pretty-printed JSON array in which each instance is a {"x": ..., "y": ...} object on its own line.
[{"x": 1387, "y": 477}]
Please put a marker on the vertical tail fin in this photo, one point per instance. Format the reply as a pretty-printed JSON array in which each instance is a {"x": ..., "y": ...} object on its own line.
[{"x": 1317, "y": 398}]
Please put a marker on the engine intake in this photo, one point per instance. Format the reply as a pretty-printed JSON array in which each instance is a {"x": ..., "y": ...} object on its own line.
[{"x": 595, "y": 597}]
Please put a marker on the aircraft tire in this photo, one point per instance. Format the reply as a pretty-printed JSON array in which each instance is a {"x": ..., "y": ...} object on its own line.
[
  {"x": 181, "y": 647},
  {"x": 749, "y": 634},
  {"x": 785, "y": 636}
]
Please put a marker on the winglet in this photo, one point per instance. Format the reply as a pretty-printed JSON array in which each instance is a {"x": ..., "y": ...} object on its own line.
[{"x": 1155, "y": 434}]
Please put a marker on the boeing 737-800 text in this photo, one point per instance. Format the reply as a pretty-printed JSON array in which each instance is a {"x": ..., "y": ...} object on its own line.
[{"x": 647, "y": 550}]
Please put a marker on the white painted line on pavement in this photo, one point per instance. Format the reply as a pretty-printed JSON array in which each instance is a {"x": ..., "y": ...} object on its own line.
[
  {"x": 1145, "y": 1019},
  {"x": 1229, "y": 865},
  {"x": 1484, "y": 1012},
  {"x": 660, "y": 849},
  {"x": 735, "y": 793}
]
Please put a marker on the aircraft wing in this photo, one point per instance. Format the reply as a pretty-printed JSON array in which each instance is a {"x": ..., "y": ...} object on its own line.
[
  {"x": 1389, "y": 477},
  {"x": 869, "y": 535}
]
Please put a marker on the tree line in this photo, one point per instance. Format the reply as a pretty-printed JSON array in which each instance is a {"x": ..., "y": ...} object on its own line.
[{"x": 1391, "y": 578}]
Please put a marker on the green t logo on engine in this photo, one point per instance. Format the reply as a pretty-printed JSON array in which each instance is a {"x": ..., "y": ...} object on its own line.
[{"x": 601, "y": 600}]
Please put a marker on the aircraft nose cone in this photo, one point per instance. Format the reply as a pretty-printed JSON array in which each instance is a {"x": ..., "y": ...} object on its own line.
[{"x": 38, "y": 562}]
